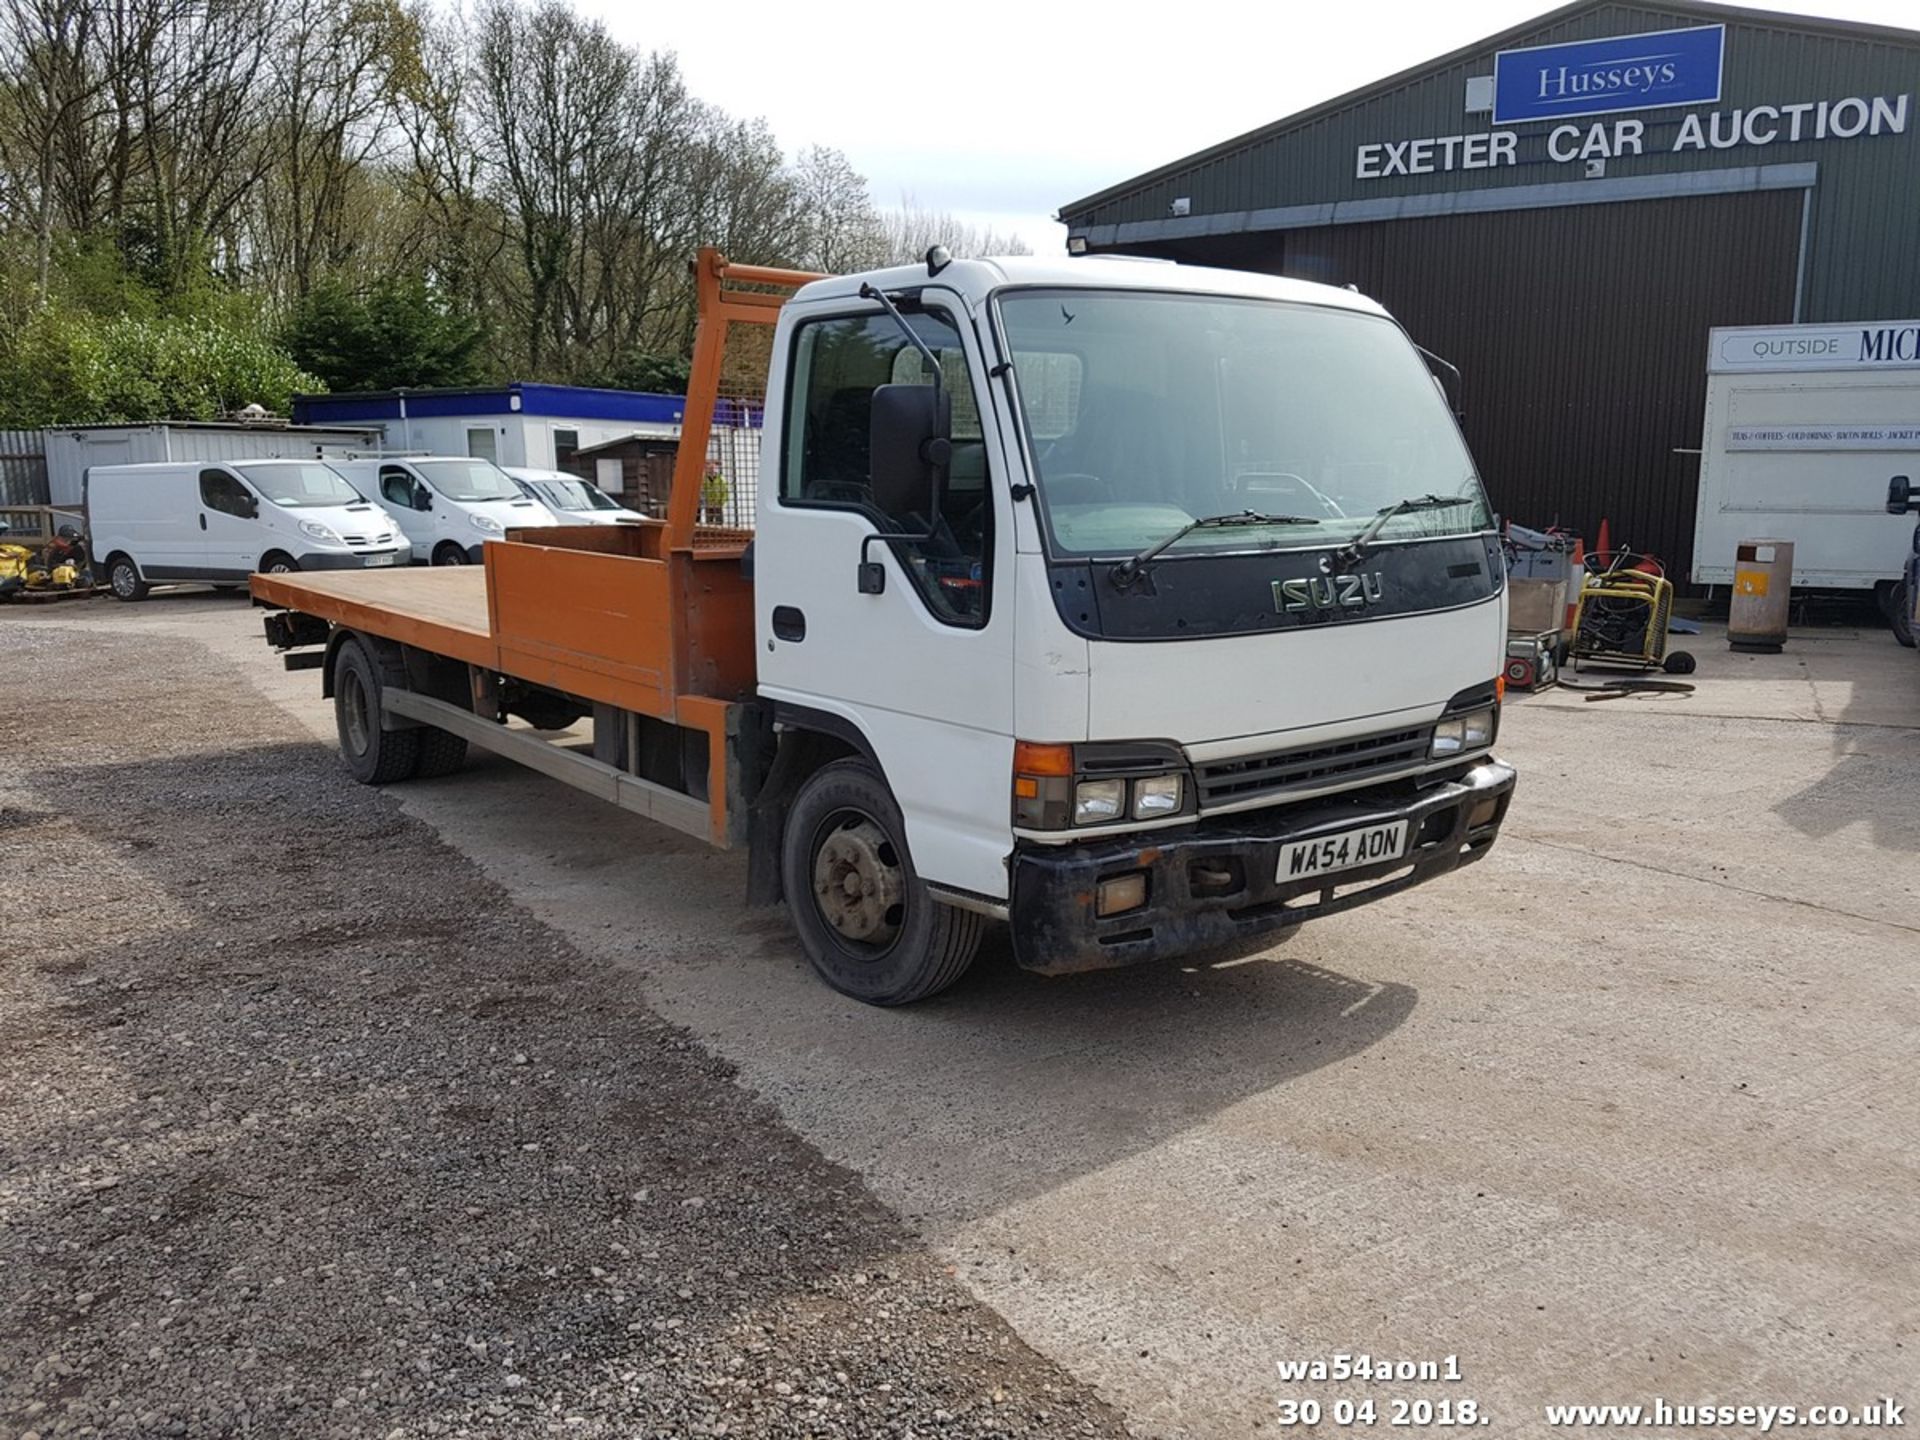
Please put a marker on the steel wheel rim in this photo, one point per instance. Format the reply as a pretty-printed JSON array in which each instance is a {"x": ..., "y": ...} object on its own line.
[
  {"x": 859, "y": 883},
  {"x": 353, "y": 709}
]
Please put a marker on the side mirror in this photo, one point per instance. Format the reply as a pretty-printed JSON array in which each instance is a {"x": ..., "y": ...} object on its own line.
[
  {"x": 910, "y": 437},
  {"x": 253, "y": 507},
  {"x": 1900, "y": 496},
  {"x": 421, "y": 499}
]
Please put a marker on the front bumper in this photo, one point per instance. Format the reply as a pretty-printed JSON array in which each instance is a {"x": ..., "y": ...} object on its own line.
[
  {"x": 1216, "y": 882},
  {"x": 353, "y": 559}
]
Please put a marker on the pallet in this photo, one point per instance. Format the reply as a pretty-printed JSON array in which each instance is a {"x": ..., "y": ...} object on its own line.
[{"x": 43, "y": 597}]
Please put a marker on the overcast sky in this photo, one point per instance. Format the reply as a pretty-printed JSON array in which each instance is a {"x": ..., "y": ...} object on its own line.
[{"x": 1001, "y": 111}]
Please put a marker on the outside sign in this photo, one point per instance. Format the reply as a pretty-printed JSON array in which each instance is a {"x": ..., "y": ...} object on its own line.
[
  {"x": 1598, "y": 77},
  {"x": 1871, "y": 345}
]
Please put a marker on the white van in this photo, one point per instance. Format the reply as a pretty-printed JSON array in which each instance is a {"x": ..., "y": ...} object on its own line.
[
  {"x": 449, "y": 506},
  {"x": 573, "y": 500},
  {"x": 218, "y": 522}
]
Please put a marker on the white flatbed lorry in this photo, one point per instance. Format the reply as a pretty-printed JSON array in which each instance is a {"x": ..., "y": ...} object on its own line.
[{"x": 1143, "y": 608}]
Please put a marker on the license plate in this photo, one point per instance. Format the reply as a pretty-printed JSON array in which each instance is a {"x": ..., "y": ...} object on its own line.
[
  {"x": 386, "y": 559},
  {"x": 1368, "y": 845}
]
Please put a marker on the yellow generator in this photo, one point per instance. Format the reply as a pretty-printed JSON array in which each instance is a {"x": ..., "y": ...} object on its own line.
[{"x": 1621, "y": 619}]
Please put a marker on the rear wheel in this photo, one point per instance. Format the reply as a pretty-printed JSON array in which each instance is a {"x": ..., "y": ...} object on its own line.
[
  {"x": 441, "y": 753},
  {"x": 375, "y": 756},
  {"x": 123, "y": 578},
  {"x": 866, "y": 921},
  {"x": 448, "y": 553}
]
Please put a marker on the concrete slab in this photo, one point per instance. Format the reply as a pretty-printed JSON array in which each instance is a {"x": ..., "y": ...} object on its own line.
[{"x": 1625, "y": 1111}]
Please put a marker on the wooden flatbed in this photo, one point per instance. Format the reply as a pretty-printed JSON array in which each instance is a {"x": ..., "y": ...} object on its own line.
[{"x": 442, "y": 609}]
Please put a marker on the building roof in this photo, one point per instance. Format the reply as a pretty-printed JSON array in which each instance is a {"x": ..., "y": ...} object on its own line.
[
  {"x": 655, "y": 436},
  {"x": 1701, "y": 10},
  {"x": 518, "y": 397},
  {"x": 274, "y": 425}
]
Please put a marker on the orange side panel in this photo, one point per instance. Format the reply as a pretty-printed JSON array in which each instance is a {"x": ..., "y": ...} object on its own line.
[{"x": 598, "y": 626}]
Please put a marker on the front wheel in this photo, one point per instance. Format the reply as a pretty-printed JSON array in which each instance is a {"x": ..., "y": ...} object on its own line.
[
  {"x": 866, "y": 921},
  {"x": 448, "y": 553},
  {"x": 1896, "y": 603},
  {"x": 278, "y": 562}
]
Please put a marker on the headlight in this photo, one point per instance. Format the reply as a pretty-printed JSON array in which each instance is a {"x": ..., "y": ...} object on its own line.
[
  {"x": 1459, "y": 733},
  {"x": 486, "y": 524},
  {"x": 1095, "y": 802},
  {"x": 318, "y": 531},
  {"x": 1155, "y": 796}
]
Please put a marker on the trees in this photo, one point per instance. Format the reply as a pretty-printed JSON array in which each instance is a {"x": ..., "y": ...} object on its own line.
[
  {"x": 398, "y": 332},
  {"x": 367, "y": 179}
]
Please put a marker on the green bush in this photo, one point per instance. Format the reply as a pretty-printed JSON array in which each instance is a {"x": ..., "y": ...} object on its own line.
[{"x": 71, "y": 368}]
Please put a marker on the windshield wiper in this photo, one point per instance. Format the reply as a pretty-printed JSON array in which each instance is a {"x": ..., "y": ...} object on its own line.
[
  {"x": 1127, "y": 571},
  {"x": 1356, "y": 549}
]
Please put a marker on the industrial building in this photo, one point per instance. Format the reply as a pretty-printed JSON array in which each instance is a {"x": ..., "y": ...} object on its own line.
[
  {"x": 515, "y": 424},
  {"x": 1565, "y": 211}
]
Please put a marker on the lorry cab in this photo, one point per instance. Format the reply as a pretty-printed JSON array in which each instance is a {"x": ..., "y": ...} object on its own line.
[
  {"x": 1197, "y": 559},
  {"x": 448, "y": 505},
  {"x": 221, "y": 521},
  {"x": 572, "y": 500}
]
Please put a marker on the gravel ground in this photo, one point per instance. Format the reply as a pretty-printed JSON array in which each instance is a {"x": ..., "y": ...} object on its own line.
[{"x": 307, "y": 1129}]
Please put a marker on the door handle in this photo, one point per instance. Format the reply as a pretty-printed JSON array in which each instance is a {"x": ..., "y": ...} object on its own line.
[
  {"x": 203, "y": 520},
  {"x": 789, "y": 623}
]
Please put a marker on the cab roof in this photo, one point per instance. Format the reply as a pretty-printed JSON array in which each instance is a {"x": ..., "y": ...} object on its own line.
[{"x": 977, "y": 279}]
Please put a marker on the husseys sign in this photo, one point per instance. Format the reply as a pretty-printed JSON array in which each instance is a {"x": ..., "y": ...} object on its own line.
[{"x": 1658, "y": 70}]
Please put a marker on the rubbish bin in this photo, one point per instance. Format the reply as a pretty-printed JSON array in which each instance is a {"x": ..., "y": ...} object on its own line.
[{"x": 1762, "y": 591}]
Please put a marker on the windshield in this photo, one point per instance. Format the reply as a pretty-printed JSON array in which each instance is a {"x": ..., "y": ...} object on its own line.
[
  {"x": 564, "y": 495},
  {"x": 1146, "y": 412},
  {"x": 598, "y": 498},
  {"x": 468, "y": 479},
  {"x": 299, "y": 486}
]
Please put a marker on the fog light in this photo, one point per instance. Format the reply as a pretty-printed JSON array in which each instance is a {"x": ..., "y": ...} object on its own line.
[
  {"x": 1483, "y": 812},
  {"x": 1120, "y": 894},
  {"x": 1156, "y": 795},
  {"x": 1097, "y": 801}
]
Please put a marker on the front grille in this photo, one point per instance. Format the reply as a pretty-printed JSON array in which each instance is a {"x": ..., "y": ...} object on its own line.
[
  {"x": 1255, "y": 777},
  {"x": 368, "y": 539}
]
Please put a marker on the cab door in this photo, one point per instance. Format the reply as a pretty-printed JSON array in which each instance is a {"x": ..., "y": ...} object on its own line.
[
  {"x": 229, "y": 537},
  {"x": 400, "y": 496},
  {"x": 922, "y": 670}
]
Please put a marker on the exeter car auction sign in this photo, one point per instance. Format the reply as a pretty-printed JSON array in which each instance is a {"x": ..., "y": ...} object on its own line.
[
  {"x": 1598, "y": 77},
  {"x": 1653, "y": 71}
]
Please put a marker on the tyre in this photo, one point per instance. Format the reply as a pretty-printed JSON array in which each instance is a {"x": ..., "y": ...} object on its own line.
[
  {"x": 1679, "y": 662},
  {"x": 867, "y": 923},
  {"x": 441, "y": 753},
  {"x": 278, "y": 562},
  {"x": 123, "y": 578},
  {"x": 375, "y": 756},
  {"x": 448, "y": 553},
  {"x": 1896, "y": 603}
]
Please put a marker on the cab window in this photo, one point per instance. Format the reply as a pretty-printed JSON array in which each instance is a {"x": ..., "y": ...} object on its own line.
[
  {"x": 221, "y": 491},
  {"x": 396, "y": 487},
  {"x": 837, "y": 365}
]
